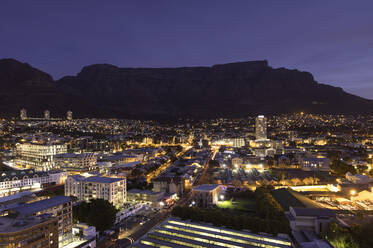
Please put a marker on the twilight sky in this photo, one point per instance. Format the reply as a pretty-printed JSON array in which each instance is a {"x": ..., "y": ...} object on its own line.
[{"x": 331, "y": 39}]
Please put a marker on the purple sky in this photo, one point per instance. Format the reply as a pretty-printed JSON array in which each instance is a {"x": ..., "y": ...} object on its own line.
[{"x": 331, "y": 39}]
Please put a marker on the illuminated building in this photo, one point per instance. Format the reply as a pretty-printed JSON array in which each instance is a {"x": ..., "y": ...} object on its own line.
[
  {"x": 261, "y": 127},
  {"x": 13, "y": 182},
  {"x": 139, "y": 196},
  {"x": 75, "y": 162},
  {"x": 238, "y": 142},
  {"x": 29, "y": 232},
  {"x": 95, "y": 187},
  {"x": 47, "y": 114},
  {"x": 23, "y": 114},
  {"x": 174, "y": 232},
  {"x": 315, "y": 164},
  {"x": 59, "y": 207},
  {"x": 69, "y": 115},
  {"x": 206, "y": 195},
  {"x": 39, "y": 156}
]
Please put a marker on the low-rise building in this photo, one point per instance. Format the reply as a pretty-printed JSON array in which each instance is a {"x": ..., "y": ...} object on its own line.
[
  {"x": 315, "y": 164},
  {"x": 80, "y": 162},
  {"x": 144, "y": 196},
  {"x": 13, "y": 182},
  {"x": 206, "y": 195},
  {"x": 111, "y": 189},
  {"x": 171, "y": 184},
  {"x": 310, "y": 219}
]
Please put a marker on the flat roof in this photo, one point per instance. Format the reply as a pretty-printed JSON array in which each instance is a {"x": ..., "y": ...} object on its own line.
[
  {"x": 318, "y": 212},
  {"x": 9, "y": 225},
  {"x": 98, "y": 179},
  {"x": 206, "y": 187},
  {"x": 34, "y": 207}
]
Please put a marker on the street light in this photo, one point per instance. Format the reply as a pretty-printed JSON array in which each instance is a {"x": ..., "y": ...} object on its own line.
[
  {"x": 221, "y": 197},
  {"x": 352, "y": 192}
]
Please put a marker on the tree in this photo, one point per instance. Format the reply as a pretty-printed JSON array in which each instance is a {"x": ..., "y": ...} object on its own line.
[
  {"x": 362, "y": 169},
  {"x": 98, "y": 212},
  {"x": 340, "y": 237},
  {"x": 341, "y": 168},
  {"x": 295, "y": 181}
]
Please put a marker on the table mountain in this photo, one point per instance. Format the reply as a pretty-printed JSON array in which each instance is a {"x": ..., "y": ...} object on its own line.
[{"x": 227, "y": 90}]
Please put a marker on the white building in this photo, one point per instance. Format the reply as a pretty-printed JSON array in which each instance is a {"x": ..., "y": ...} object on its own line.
[
  {"x": 261, "y": 127},
  {"x": 13, "y": 182},
  {"x": 111, "y": 189},
  {"x": 39, "y": 156},
  {"x": 76, "y": 162}
]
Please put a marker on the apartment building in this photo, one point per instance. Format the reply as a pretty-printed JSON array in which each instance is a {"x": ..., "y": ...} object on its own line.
[
  {"x": 76, "y": 162},
  {"x": 96, "y": 187}
]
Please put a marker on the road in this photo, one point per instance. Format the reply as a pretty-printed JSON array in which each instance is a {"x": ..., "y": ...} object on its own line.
[
  {"x": 139, "y": 230},
  {"x": 163, "y": 167},
  {"x": 136, "y": 231}
]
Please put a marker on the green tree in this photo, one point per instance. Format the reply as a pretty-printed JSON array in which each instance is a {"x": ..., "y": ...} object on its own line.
[{"x": 98, "y": 212}]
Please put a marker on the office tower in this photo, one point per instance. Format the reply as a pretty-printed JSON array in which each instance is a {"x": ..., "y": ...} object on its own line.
[
  {"x": 261, "y": 127},
  {"x": 47, "y": 114},
  {"x": 23, "y": 114},
  {"x": 69, "y": 115}
]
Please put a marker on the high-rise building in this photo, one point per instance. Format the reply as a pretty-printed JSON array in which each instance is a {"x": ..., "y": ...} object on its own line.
[
  {"x": 47, "y": 114},
  {"x": 69, "y": 115},
  {"x": 261, "y": 127},
  {"x": 23, "y": 114}
]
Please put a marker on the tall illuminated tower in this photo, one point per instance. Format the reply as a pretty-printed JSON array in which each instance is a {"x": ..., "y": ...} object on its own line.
[
  {"x": 47, "y": 114},
  {"x": 69, "y": 115},
  {"x": 261, "y": 127},
  {"x": 23, "y": 114}
]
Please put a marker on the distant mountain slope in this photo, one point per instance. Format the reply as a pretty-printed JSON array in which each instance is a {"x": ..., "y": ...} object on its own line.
[
  {"x": 22, "y": 86},
  {"x": 228, "y": 90}
]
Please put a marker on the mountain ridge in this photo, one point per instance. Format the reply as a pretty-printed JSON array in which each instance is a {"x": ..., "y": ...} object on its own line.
[{"x": 224, "y": 90}]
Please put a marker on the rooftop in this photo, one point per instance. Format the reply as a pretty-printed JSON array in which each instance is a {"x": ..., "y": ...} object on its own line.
[
  {"x": 174, "y": 232},
  {"x": 9, "y": 225},
  {"x": 318, "y": 212},
  {"x": 206, "y": 187},
  {"x": 98, "y": 179},
  {"x": 34, "y": 207}
]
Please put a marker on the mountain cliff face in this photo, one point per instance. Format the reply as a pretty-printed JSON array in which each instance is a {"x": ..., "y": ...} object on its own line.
[
  {"x": 22, "y": 86},
  {"x": 229, "y": 90}
]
